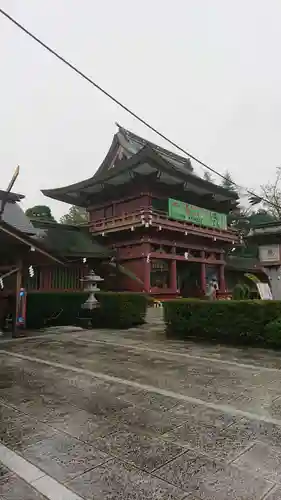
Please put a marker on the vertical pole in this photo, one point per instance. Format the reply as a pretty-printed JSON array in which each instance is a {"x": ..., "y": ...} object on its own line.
[
  {"x": 147, "y": 267},
  {"x": 173, "y": 276},
  {"x": 222, "y": 278},
  {"x": 203, "y": 273},
  {"x": 17, "y": 301}
]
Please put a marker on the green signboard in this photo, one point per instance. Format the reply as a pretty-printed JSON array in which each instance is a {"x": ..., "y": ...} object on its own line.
[{"x": 200, "y": 216}]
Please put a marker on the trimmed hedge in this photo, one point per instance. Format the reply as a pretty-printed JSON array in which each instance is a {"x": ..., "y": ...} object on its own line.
[
  {"x": 273, "y": 332},
  {"x": 119, "y": 310},
  {"x": 116, "y": 310},
  {"x": 53, "y": 308},
  {"x": 225, "y": 321}
]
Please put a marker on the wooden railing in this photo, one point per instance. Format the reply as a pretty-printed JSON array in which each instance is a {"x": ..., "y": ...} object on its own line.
[{"x": 150, "y": 217}]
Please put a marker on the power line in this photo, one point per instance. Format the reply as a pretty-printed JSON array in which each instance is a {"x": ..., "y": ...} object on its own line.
[{"x": 255, "y": 197}]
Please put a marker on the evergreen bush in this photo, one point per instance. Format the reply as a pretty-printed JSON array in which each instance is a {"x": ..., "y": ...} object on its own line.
[
  {"x": 241, "y": 292},
  {"x": 120, "y": 310},
  {"x": 273, "y": 332},
  {"x": 225, "y": 321},
  {"x": 45, "y": 309}
]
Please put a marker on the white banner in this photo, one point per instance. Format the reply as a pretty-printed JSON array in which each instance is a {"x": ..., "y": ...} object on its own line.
[{"x": 264, "y": 291}]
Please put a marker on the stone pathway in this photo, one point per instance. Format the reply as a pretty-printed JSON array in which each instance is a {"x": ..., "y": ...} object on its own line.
[{"x": 131, "y": 415}]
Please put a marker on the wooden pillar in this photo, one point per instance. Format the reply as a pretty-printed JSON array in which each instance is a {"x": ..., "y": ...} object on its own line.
[
  {"x": 17, "y": 298},
  {"x": 222, "y": 287},
  {"x": 45, "y": 278},
  {"x": 173, "y": 275},
  {"x": 146, "y": 274},
  {"x": 203, "y": 273}
]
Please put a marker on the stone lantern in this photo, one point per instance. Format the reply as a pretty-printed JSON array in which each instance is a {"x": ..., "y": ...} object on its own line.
[{"x": 91, "y": 281}]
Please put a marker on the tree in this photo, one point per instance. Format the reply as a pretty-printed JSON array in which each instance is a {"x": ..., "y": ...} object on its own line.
[
  {"x": 227, "y": 182},
  {"x": 42, "y": 212},
  {"x": 207, "y": 176},
  {"x": 75, "y": 215},
  {"x": 261, "y": 216},
  {"x": 271, "y": 192}
]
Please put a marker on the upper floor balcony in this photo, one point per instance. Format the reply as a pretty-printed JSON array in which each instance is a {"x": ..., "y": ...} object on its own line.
[{"x": 150, "y": 218}]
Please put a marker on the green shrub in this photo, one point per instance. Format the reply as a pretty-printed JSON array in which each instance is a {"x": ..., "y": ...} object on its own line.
[
  {"x": 119, "y": 310},
  {"x": 53, "y": 308},
  {"x": 225, "y": 321},
  {"x": 273, "y": 332},
  {"x": 247, "y": 292},
  {"x": 241, "y": 292},
  {"x": 238, "y": 292}
]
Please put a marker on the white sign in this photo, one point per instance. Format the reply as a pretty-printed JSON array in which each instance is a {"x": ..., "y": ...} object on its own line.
[
  {"x": 269, "y": 253},
  {"x": 264, "y": 291}
]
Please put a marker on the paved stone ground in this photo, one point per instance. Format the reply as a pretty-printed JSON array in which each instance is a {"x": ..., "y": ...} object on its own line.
[{"x": 130, "y": 415}]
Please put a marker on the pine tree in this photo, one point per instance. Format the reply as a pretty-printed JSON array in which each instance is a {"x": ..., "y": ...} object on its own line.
[
  {"x": 228, "y": 183},
  {"x": 207, "y": 176}
]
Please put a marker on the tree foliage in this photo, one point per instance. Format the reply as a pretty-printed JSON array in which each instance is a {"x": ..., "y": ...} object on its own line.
[
  {"x": 272, "y": 192},
  {"x": 227, "y": 182},
  {"x": 75, "y": 216},
  {"x": 207, "y": 176},
  {"x": 42, "y": 212}
]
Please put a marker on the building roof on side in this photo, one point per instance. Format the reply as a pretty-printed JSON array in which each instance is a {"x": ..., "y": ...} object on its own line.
[
  {"x": 12, "y": 197},
  {"x": 14, "y": 215},
  {"x": 246, "y": 264},
  {"x": 19, "y": 236},
  {"x": 272, "y": 223},
  {"x": 268, "y": 228},
  {"x": 68, "y": 240},
  {"x": 130, "y": 156}
]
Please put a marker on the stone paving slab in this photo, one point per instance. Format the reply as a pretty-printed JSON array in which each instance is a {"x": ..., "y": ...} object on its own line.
[
  {"x": 143, "y": 450},
  {"x": 21, "y": 432},
  {"x": 14, "y": 488},
  {"x": 148, "y": 420},
  {"x": 64, "y": 457},
  {"x": 83, "y": 425},
  {"x": 149, "y": 401},
  {"x": 119, "y": 481},
  {"x": 202, "y": 415},
  {"x": 211, "y": 480},
  {"x": 261, "y": 458},
  {"x": 28, "y": 481},
  {"x": 4, "y": 472},
  {"x": 275, "y": 494},
  {"x": 223, "y": 444},
  {"x": 95, "y": 434}
]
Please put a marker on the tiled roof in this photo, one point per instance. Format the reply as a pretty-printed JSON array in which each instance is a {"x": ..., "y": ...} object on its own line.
[{"x": 67, "y": 240}]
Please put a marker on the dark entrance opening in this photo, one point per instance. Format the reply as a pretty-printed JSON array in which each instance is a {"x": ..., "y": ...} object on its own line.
[{"x": 189, "y": 279}]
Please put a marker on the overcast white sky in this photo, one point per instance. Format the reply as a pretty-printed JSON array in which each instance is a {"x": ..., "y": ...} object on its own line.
[{"x": 205, "y": 72}]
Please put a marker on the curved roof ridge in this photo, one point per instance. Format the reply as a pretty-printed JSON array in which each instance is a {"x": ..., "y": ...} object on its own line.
[{"x": 159, "y": 149}]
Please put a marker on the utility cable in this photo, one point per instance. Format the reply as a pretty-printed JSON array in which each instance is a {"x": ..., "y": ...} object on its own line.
[{"x": 254, "y": 198}]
